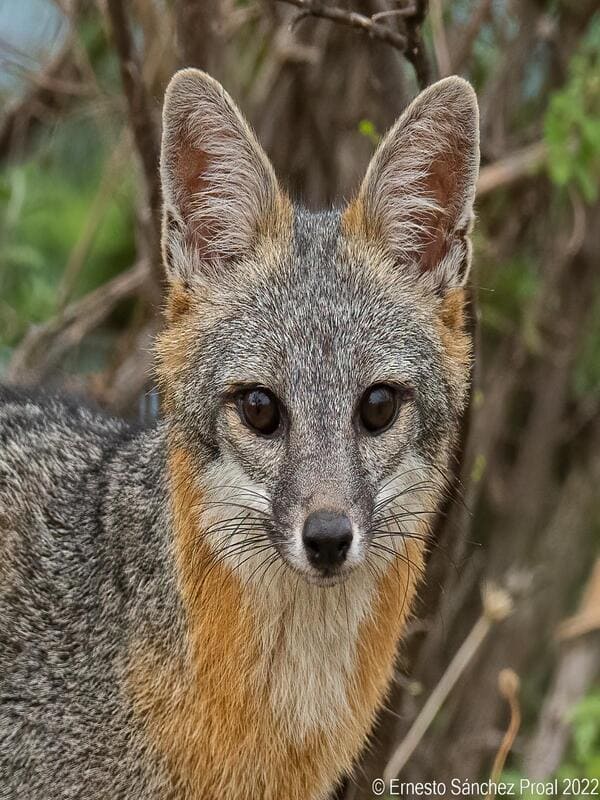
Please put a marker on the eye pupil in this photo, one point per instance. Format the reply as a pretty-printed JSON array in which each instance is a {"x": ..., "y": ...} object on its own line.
[
  {"x": 378, "y": 407},
  {"x": 260, "y": 410}
]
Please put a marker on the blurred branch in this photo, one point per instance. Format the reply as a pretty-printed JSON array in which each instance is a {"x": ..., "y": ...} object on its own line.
[
  {"x": 440, "y": 40},
  {"x": 410, "y": 43},
  {"x": 497, "y": 605},
  {"x": 509, "y": 684},
  {"x": 577, "y": 669},
  {"x": 45, "y": 344},
  {"x": 123, "y": 385},
  {"x": 511, "y": 168},
  {"x": 546, "y": 575},
  {"x": 587, "y": 618},
  {"x": 315, "y": 8},
  {"x": 415, "y": 47},
  {"x": 47, "y": 94},
  {"x": 145, "y": 133},
  {"x": 465, "y": 37},
  {"x": 108, "y": 183},
  {"x": 199, "y": 30}
]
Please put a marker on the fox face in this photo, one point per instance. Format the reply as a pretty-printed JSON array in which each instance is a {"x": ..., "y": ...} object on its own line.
[{"x": 315, "y": 366}]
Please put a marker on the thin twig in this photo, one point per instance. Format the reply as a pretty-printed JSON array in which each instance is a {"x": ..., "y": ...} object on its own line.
[
  {"x": 45, "y": 94},
  {"x": 415, "y": 47},
  {"x": 406, "y": 11},
  {"x": 466, "y": 36},
  {"x": 111, "y": 178},
  {"x": 409, "y": 43},
  {"x": 508, "y": 683},
  {"x": 497, "y": 605},
  {"x": 44, "y": 345},
  {"x": 440, "y": 40},
  {"x": 315, "y": 8}
]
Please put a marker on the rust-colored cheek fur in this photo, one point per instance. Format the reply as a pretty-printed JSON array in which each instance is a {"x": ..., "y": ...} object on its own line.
[
  {"x": 451, "y": 322},
  {"x": 175, "y": 343},
  {"x": 209, "y": 714}
]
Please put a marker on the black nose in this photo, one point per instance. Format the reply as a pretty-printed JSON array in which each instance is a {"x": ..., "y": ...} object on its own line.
[{"x": 327, "y": 537}]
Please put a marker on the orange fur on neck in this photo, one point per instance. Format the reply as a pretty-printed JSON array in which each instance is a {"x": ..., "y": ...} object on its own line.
[{"x": 203, "y": 708}]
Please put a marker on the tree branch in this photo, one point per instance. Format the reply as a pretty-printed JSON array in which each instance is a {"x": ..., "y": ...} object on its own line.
[
  {"x": 511, "y": 168},
  {"x": 465, "y": 38},
  {"x": 497, "y": 606},
  {"x": 47, "y": 95},
  {"x": 415, "y": 47},
  {"x": 199, "y": 32},
  {"x": 410, "y": 43},
  {"x": 315, "y": 8},
  {"x": 144, "y": 129},
  {"x": 44, "y": 345}
]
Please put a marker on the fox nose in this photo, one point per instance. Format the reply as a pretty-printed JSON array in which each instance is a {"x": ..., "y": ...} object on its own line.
[{"x": 327, "y": 537}]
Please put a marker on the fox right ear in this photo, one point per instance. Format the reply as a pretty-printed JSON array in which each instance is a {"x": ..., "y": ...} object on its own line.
[
  {"x": 219, "y": 189},
  {"x": 417, "y": 196}
]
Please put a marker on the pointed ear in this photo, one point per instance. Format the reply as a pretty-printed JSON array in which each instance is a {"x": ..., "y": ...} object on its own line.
[
  {"x": 219, "y": 189},
  {"x": 417, "y": 196}
]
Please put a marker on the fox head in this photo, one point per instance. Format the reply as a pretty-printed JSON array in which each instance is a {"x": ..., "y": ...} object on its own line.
[{"x": 315, "y": 365}]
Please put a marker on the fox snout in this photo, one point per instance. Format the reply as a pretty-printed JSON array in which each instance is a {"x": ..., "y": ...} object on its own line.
[{"x": 322, "y": 513}]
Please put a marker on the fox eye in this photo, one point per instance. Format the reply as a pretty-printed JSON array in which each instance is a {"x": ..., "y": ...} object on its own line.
[
  {"x": 379, "y": 407},
  {"x": 259, "y": 409}
]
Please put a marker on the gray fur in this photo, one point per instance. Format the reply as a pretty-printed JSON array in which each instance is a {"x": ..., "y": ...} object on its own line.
[{"x": 84, "y": 564}]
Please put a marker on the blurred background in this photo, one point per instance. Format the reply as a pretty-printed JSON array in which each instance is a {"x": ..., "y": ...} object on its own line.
[{"x": 499, "y": 672}]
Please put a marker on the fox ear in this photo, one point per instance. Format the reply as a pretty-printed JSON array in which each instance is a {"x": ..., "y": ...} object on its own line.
[
  {"x": 219, "y": 189},
  {"x": 417, "y": 196}
]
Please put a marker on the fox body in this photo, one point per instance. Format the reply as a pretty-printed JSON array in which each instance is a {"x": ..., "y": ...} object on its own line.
[{"x": 210, "y": 608}]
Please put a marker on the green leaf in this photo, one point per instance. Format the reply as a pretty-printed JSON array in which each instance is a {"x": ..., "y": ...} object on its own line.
[{"x": 368, "y": 129}]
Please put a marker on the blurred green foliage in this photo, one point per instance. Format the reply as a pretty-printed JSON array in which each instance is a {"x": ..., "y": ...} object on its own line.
[
  {"x": 49, "y": 202},
  {"x": 366, "y": 128},
  {"x": 45, "y": 203},
  {"x": 585, "y": 752},
  {"x": 572, "y": 123},
  {"x": 583, "y": 758}
]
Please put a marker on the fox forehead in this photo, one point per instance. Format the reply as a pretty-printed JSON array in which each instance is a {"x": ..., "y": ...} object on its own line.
[{"x": 319, "y": 309}]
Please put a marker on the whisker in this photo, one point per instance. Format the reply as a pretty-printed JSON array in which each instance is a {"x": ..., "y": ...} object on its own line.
[
  {"x": 241, "y": 490},
  {"x": 269, "y": 559},
  {"x": 229, "y": 504},
  {"x": 282, "y": 565},
  {"x": 252, "y": 553},
  {"x": 231, "y": 523}
]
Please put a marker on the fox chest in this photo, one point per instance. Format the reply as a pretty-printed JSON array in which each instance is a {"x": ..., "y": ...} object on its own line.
[{"x": 279, "y": 703}]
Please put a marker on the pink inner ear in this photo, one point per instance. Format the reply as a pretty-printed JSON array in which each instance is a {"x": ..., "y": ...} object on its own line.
[
  {"x": 190, "y": 169},
  {"x": 443, "y": 185}
]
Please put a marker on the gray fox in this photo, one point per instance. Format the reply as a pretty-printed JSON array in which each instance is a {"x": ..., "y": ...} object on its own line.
[{"x": 209, "y": 608}]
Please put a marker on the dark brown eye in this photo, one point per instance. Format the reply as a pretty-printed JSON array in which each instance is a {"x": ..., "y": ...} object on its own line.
[
  {"x": 379, "y": 407},
  {"x": 260, "y": 410}
]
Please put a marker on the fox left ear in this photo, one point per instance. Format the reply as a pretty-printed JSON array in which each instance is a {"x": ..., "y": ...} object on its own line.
[
  {"x": 417, "y": 196},
  {"x": 219, "y": 189}
]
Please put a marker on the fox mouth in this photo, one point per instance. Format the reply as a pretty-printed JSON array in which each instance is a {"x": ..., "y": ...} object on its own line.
[{"x": 322, "y": 578}]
